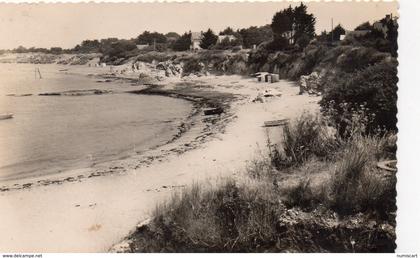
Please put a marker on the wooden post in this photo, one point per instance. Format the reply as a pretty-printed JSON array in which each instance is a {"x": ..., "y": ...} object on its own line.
[
  {"x": 37, "y": 71},
  {"x": 278, "y": 126}
]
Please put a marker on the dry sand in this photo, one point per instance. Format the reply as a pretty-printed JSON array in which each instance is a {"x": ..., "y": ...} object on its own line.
[{"x": 94, "y": 214}]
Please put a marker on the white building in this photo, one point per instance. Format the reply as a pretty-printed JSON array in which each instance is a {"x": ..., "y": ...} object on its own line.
[
  {"x": 230, "y": 38},
  {"x": 196, "y": 38},
  {"x": 140, "y": 47}
]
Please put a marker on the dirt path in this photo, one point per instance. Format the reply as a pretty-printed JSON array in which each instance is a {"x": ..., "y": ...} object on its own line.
[{"x": 92, "y": 215}]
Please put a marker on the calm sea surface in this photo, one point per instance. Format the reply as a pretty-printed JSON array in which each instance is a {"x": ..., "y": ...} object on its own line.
[{"x": 49, "y": 134}]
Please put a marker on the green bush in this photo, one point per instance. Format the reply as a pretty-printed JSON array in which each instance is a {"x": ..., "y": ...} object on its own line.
[
  {"x": 359, "y": 58},
  {"x": 375, "y": 39},
  {"x": 311, "y": 57},
  {"x": 350, "y": 181},
  {"x": 331, "y": 56},
  {"x": 236, "y": 64},
  {"x": 150, "y": 56},
  {"x": 371, "y": 92},
  {"x": 258, "y": 58},
  {"x": 119, "y": 49},
  {"x": 183, "y": 43},
  {"x": 192, "y": 65},
  {"x": 306, "y": 137}
]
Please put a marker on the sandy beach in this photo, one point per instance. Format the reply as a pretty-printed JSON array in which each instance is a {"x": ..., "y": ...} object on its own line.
[
  {"x": 90, "y": 211},
  {"x": 203, "y": 128}
]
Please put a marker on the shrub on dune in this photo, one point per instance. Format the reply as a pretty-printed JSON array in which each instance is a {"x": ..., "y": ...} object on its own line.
[
  {"x": 305, "y": 137},
  {"x": 372, "y": 91}
]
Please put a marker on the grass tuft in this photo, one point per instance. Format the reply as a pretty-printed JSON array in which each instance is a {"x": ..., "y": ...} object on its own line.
[{"x": 306, "y": 137}]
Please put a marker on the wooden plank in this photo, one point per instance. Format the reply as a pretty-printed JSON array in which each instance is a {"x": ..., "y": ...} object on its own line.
[
  {"x": 213, "y": 111},
  {"x": 279, "y": 122}
]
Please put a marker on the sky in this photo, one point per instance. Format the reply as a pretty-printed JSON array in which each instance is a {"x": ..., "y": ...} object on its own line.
[{"x": 65, "y": 25}]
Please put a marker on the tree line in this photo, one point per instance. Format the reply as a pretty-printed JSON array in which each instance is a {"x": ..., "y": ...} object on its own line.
[
  {"x": 293, "y": 20},
  {"x": 290, "y": 28}
]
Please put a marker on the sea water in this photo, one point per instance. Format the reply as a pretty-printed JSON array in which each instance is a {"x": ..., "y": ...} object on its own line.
[{"x": 50, "y": 134}]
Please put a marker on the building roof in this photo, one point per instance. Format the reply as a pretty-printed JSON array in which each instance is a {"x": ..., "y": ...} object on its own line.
[{"x": 357, "y": 33}]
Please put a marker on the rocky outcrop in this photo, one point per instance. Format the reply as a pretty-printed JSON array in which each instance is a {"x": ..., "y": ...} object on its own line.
[
  {"x": 310, "y": 83},
  {"x": 148, "y": 79},
  {"x": 170, "y": 68},
  {"x": 43, "y": 58}
]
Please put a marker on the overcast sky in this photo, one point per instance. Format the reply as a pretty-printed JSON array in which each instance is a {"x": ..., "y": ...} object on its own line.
[{"x": 65, "y": 25}]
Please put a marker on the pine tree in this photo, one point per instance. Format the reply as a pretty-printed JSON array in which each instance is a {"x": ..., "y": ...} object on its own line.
[
  {"x": 304, "y": 23},
  {"x": 209, "y": 39},
  {"x": 227, "y": 31},
  {"x": 183, "y": 43},
  {"x": 337, "y": 32},
  {"x": 292, "y": 24},
  {"x": 282, "y": 22}
]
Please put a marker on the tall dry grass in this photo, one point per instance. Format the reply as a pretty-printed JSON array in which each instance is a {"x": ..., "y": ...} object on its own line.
[
  {"x": 250, "y": 216},
  {"x": 232, "y": 217},
  {"x": 282, "y": 209},
  {"x": 348, "y": 165},
  {"x": 357, "y": 185},
  {"x": 305, "y": 137}
]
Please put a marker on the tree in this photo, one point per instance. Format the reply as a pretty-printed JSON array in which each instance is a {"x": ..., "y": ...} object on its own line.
[
  {"x": 255, "y": 35},
  {"x": 304, "y": 23},
  {"x": 337, "y": 32},
  {"x": 282, "y": 24},
  {"x": 106, "y": 44},
  {"x": 20, "y": 49},
  {"x": 56, "y": 50},
  {"x": 392, "y": 34},
  {"x": 303, "y": 41},
  {"x": 292, "y": 24},
  {"x": 183, "y": 43},
  {"x": 227, "y": 31},
  {"x": 172, "y": 36},
  {"x": 119, "y": 48},
  {"x": 209, "y": 39},
  {"x": 323, "y": 36},
  {"x": 364, "y": 26},
  {"x": 88, "y": 46},
  {"x": 150, "y": 38}
]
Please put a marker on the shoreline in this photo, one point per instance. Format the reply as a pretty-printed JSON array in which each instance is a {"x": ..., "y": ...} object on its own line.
[
  {"x": 144, "y": 158},
  {"x": 100, "y": 212}
]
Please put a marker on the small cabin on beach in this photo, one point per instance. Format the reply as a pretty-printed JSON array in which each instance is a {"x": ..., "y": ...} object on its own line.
[{"x": 267, "y": 77}]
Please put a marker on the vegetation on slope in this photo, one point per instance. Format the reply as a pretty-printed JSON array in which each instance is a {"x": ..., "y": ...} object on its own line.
[
  {"x": 334, "y": 201},
  {"x": 319, "y": 189}
]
